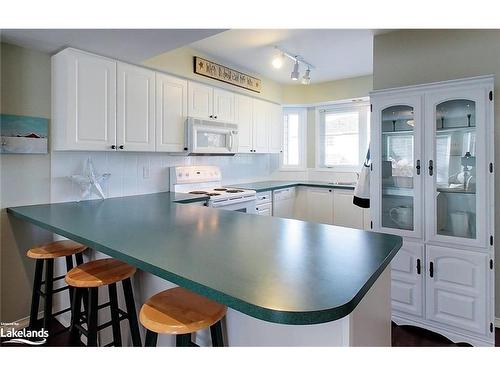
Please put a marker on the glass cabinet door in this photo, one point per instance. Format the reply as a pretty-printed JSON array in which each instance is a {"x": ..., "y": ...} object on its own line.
[
  {"x": 457, "y": 169},
  {"x": 398, "y": 168}
]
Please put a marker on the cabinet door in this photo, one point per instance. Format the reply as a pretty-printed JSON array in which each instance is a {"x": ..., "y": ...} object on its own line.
[
  {"x": 135, "y": 129},
  {"x": 397, "y": 177},
  {"x": 457, "y": 288},
  {"x": 171, "y": 113},
  {"x": 407, "y": 279},
  {"x": 223, "y": 105},
  {"x": 345, "y": 213},
  {"x": 275, "y": 126},
  {"x": 264, "y": 209},
  {"x": 320, "y": 205},
  {"x": 244, "y": 119},
  {"x": 260, "y": 129},
  {"x": 457, "y": 165},
  {"x": 90, "y": 101},
  {"x": 200, "y": 101}
]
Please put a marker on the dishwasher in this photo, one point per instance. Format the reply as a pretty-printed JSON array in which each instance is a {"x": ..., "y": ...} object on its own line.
[{"x": 283, "y": 202}]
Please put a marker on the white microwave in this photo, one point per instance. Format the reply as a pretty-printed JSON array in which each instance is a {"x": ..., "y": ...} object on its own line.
[{"x": 211, "y": 137}]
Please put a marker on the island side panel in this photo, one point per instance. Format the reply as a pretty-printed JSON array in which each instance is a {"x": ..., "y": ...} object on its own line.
[{"x": 370, "y": 322}]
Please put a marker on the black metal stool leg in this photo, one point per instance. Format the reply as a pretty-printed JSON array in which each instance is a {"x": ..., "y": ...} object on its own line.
[
  {"x": 76, "y": 306},
  {"x": 35, "y": 297},
  {"x": 216, "y": 333},
  {"x": 49, "y": 287},
  {"x": 183, "y": 340},
  {"x": 92, "y": 317},
  {"x": 69, "y": 266},
  {"x": 115, "y": 316},
  {"x": 132, "y": 314},
  {"x": 79, "y": 259},
  {"x": 151, "y": 338}
]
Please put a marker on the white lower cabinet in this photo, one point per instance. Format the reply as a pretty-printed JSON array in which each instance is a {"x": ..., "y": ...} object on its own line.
[
  {"x": 455, "y": 287},
  {"x": 345, "y": 213},
  {"x": 320, "y": 205},
  {"x": 407, "y": 285},
  {"x": 264, "y": 203},
  {"x": 443, "y": 289}
]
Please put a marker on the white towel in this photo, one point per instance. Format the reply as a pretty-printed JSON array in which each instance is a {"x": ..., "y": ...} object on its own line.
[{"x": 362, "y": 189}]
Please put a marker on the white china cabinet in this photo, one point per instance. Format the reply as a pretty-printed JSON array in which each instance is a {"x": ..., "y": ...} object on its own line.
[{"x": 432, "y": 183}]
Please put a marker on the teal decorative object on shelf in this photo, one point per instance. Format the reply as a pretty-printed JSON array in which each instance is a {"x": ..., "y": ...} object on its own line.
[{"x": 23, "y": 134}]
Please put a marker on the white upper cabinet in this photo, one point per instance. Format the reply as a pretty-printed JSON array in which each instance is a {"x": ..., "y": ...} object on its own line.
[
  {"x": 260, "y": 127},
  {"x": 244, "y": 119},
  {"x": 135, "y": 129},
  {"x": 397, "y": 188},
  {"x": 457, "y": 162},
  {"x": 200, "y": 100},
  {"x": 209, "y": 103},
  {"x": 275, "y": 125},
  {"x": 171, "y": 113},
  {"x": 83, "y": 101},
  {"x": 223, "y": 106}
]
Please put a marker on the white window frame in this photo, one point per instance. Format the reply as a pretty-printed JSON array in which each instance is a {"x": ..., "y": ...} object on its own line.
[
  {"x": 302, "y": 112},
  {"x": 364, "y": 133}
]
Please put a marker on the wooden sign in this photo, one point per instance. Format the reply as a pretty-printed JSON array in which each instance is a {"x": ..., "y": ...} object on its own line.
[{"x": 222, "y": 73}]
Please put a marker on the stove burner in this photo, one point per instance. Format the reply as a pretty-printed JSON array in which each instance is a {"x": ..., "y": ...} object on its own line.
[
  {"x": 220, "y": 189},
  {"x": 198, "y": 192},
  {"x": 212, "y": 194},
  {"x": 234, "y": 191}
]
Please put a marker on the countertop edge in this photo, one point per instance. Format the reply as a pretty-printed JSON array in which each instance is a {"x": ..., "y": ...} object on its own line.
[{"x": 287, "y": 184}]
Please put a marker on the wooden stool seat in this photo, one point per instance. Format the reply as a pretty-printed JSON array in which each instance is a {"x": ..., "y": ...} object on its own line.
[
  {"x": 179, "y": 311},
  {"x": 98, "y": 273},
  {"x": 56, "y": 249}
]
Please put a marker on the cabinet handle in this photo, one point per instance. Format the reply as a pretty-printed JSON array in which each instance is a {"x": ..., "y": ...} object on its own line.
[
  {"x": 431, "y": 269},
  {"x": 431, "y": 167},
  {"x": 113, "y": 147},
  {"x": 419, "y": 267},
  {"x": 121, "y": 147},
  {"x": 215, "y": 116},
  {"x": 211, "y": 116},
  {"x": 418, "y": 167}
]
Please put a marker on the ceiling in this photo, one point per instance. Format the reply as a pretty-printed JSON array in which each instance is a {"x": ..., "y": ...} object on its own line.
[
  {"x": 132, "y": 45},
  {"x": 335, "y": 53}
]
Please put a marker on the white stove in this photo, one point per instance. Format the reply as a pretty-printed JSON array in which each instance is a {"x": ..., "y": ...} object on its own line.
[{"x": 207, "y": 180}]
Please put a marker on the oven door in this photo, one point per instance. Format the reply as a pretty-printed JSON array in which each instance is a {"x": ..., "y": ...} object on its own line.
[
  {"x": 212, "y": 138},
  {"x": 245, "y": 206}
]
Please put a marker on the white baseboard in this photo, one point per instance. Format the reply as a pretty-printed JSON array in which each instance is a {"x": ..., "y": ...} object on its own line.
[{"x": 497, "y": 322}]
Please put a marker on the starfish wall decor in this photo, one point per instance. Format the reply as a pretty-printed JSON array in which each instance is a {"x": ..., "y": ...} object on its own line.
[{"x": 90, "y": 181}]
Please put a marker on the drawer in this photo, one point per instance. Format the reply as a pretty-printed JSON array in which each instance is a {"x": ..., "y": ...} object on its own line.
[
  {"x": 262, "y": 197},
  {"x": 265, "y": 209}
]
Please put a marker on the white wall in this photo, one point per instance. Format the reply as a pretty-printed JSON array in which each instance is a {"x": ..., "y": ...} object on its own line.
[
  {"x": 25, "y": 90},
  {"x": 419, "y": 56}
]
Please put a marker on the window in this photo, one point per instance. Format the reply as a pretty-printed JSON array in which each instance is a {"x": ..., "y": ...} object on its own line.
[
  {"x": 294, "y": 125},
  {"x": 343, "y": 136}
]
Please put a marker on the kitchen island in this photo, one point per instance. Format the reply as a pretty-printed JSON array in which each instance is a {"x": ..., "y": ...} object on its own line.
[{"x": 286, "y": 282}]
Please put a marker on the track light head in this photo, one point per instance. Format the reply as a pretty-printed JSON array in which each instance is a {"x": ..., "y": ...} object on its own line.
[
  {"x": 295, "y": 73},
  {"x": 306, "y": 78}
]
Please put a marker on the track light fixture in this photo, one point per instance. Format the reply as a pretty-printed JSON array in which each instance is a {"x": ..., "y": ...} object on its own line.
[
  {"x": 278, "y": 61},
  {"x": 306, "y": 78},
  {"x": 295, "y": 73}
]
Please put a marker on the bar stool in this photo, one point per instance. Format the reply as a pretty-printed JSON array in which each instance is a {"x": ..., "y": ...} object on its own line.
[
  {"x": 45, "y": 255},
  {"x": 89, "y": 277},
  {"x": 177, "y": 311}
]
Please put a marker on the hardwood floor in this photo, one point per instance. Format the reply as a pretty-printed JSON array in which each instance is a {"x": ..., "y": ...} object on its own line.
[
  {"x": 415, "y": 336},
  {"x": 407, "y": 336}
]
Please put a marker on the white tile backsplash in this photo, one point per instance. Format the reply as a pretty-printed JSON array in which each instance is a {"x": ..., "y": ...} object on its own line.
[{"x": 135, "y": 173}]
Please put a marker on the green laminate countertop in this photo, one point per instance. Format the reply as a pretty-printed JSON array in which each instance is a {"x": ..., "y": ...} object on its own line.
[
  {"x": 260, "y": 186},
  {"x": 279, "y": 270}
]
